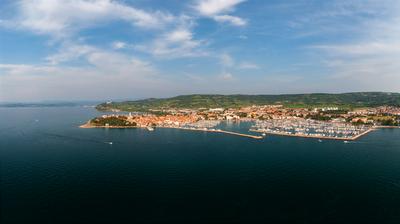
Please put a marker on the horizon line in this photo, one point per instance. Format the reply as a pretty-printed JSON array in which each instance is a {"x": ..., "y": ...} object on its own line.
[{"x": 191, "y": 94}]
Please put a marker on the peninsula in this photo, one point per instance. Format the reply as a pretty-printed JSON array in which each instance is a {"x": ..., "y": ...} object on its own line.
[{"x": 324, "y": 116}]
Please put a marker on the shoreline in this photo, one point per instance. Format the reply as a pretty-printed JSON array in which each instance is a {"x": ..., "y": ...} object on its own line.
[{"x": 88, "y": 125}]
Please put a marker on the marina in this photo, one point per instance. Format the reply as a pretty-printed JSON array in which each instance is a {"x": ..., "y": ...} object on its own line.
[
  {"x": 272, "y": 120},
  {"x": 345, "y": 139},
  {"x": 289, "y": 127},
  {"x": 307, "y": 128}
]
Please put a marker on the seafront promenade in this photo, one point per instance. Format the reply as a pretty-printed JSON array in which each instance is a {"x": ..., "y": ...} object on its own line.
[{"x": 88, "y": 125}]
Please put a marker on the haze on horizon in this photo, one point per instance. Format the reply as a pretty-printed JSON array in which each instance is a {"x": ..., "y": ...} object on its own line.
[{"x": 125, "y": 49}]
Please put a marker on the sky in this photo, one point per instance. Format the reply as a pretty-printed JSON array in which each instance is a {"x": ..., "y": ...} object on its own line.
[{"x": 131, "y": 49}]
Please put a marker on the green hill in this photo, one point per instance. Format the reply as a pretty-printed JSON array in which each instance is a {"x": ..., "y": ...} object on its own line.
[{"x": 348, "y": 100}]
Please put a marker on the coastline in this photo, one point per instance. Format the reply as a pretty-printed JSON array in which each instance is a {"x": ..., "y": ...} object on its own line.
[{"x": 88, "y": 125}]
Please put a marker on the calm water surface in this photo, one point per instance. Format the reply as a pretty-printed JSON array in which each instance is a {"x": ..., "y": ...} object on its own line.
[{"x": 51, "y": 171}]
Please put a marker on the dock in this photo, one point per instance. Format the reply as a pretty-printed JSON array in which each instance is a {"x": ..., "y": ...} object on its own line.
[
  {"x": 239, "y": 134},
  {"x": 318, "y": 137}
]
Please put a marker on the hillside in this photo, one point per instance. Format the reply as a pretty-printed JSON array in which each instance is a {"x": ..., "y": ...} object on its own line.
[{"x": 348, "y": 100}]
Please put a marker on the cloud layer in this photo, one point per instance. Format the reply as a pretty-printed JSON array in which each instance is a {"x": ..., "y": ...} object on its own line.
[
  {"x": 100, "y": 49},
  {"x": 61, "y": 18}
]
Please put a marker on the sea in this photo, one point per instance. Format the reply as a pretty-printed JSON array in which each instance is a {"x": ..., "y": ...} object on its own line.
[{"x": 52, "y": 171}]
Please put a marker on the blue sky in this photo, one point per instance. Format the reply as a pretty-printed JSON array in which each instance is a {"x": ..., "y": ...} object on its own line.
[{"x": 129, "y": 49}]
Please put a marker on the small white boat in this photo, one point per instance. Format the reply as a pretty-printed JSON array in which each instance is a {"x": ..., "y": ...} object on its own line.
[
  {"x": 263, "y": 134},
  {"x": 319, "y": 140},
  {"x": 346, "y": 141},
  {"x": 150, "y": 128}
]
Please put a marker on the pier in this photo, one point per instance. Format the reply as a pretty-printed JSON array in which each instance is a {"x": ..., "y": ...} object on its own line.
[
  {"x": 218, "y": 131},
  {"x": 318, "y": 137},
  {"x": 239, "y": 134}
]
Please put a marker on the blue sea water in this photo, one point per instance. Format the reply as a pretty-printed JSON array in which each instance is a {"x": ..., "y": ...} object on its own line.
[{"x": 51, "y": 171}]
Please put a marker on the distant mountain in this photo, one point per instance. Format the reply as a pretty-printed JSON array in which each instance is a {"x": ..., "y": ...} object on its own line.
[{"x": 349, "y": 100}]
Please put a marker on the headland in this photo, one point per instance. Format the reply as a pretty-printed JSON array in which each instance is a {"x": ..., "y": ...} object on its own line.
[{"x": 318, "y": 116}]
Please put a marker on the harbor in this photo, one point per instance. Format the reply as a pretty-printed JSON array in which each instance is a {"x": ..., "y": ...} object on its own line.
[
  {"x": 306, "y": 128},
  {"x": 271, "y": 120},
  {"x": 314, "y": 136}
]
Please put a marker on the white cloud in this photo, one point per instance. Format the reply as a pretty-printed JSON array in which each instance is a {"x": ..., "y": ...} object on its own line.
[
  {"x": 248, "y": 65},
  {"x": 177, "y": 41},
  {"x": 374, "y": 74},
  {"x": 217, "y": 9},
  {"x": 369, "y": 61},
  {"x": 175, "y": 44},
  {"x": 237, "y": 21},
  {"x": 107, "y": 74},
  {"x": 95, "y": 56},
  {"x": 367, "y": 48},
  {"x": 103, "y": 62},
  {"x": 115, "y": 63},
  {"x": 18, "y": 69},
  {"x": 179, "y": 35},
  {"x": 227, "y": 61},
  {"x": 69, "y": 52},
  {"x": 60, "y": 18},
  {"x": 119, "y": 45}
]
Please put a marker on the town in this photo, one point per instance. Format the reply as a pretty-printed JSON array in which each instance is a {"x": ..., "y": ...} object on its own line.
[{"x": 323, "y": 123}]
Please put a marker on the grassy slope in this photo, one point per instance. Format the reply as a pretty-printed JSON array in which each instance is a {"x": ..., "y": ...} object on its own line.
[{"x": 347, "y": 100}]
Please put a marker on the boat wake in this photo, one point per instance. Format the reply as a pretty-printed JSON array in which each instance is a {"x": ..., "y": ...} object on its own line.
[{"x": 355, "y": 142}]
